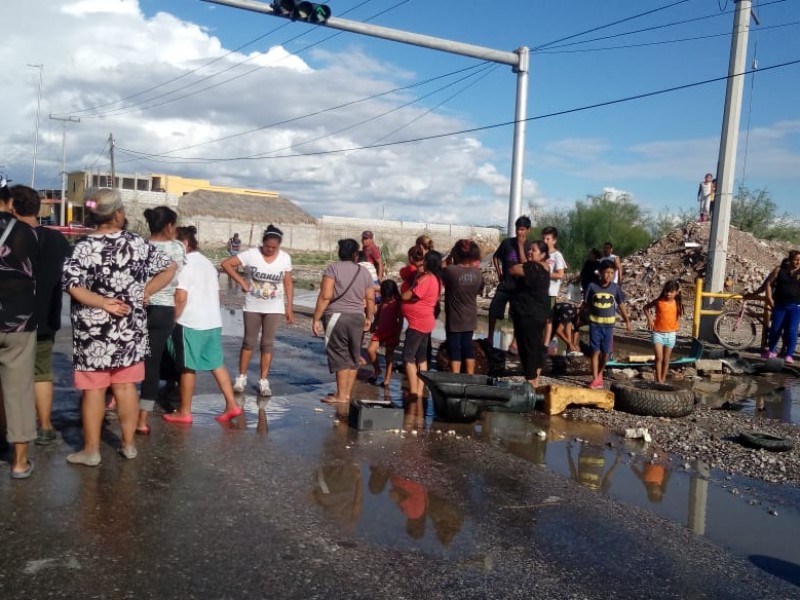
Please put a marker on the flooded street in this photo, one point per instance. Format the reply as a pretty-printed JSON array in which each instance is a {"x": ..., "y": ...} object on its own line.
[{"x": 288, "y": 498}]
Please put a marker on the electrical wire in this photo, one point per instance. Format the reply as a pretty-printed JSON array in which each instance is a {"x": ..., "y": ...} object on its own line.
[
  {"x": 139, "y": 106},
  {"x": 195, "y": 160},
  {"x": 647, "y": 29},
  {"x": 672, "y": 41}
]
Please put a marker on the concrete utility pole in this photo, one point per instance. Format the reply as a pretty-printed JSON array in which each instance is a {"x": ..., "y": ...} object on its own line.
[
  {"x": 726, "y": 165},
  {"x": 111, "y": 156},
  {"x": 64, "y": 121},
  {"x": 518, "y": 60},
  {"x": 36, "y": 131}
]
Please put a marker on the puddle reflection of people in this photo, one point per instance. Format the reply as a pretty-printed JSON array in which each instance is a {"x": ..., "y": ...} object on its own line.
[
  {"x": 654, "y": 477},
  {"x": 590, "y": 467},
  {"x": 411, "y": 498},
  {"x": 416, "y": 503},
  {"x": 338, "y": 488}
]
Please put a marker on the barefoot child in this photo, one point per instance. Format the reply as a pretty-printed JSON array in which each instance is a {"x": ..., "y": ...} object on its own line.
[
  {"x": 387, "y": 331},
  {"x": 669, "y": 309}
]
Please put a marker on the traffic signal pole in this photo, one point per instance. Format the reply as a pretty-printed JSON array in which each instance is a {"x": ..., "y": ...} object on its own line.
[{"x": 518, "y": 60}]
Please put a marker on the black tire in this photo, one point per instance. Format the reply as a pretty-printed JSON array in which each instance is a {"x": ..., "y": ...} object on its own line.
[
  {"x": 652, "y": 399},
  {"x": 772, "y": 365},
  {"x": 759, "y": 440},
  {"x": 735, "y": 332}
]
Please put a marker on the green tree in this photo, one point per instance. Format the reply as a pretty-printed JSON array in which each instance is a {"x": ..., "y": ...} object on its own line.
[
  {"x": 754, "y": 211},
  {"x": 593, "y": 222}
]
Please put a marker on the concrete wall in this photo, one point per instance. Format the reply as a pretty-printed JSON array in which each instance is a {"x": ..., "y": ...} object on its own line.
[{"x": 393, "y": 237}]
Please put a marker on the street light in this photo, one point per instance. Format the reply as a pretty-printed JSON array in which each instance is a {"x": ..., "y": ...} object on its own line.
[{"x": 36, "y": 133}]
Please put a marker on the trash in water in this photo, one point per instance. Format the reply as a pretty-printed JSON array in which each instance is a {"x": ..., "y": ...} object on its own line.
[{"x": 635, "y": 433}]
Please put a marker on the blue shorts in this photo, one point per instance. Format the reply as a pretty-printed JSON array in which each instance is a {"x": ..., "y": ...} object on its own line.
[
  {"x": 665, "y": 339},
  {"x": 601, "y": 337}
]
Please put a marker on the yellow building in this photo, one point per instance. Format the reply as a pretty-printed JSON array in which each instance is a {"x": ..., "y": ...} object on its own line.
[{"x": 78, "y": 182}]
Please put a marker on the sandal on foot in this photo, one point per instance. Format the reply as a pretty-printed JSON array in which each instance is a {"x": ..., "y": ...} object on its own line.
[
  {"x": 229, "y": 414},
  {"x": 177, "y": 418},
  {"x": 23, "y": 474},
  {"x": 128, "y": 452},
  {"x": 84, "y": 458},
  {"x": 144, "y": 430}
]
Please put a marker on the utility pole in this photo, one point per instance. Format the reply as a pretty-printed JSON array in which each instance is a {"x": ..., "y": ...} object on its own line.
[
  {"x": 726, "y": 164},
  {"x": 319, "y": 14},
  {"x": 36, "y": 131},
  {"x": 111, "y": 155},
  {"x": 64, "y": 121}
]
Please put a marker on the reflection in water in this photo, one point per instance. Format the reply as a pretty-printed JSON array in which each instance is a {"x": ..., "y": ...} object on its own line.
[
  {"x": 417, "y": 505},
  {"x": 338, "y": 489},
  {"x": 591, "y": 464},
  {"x": 654, "y": 477}
]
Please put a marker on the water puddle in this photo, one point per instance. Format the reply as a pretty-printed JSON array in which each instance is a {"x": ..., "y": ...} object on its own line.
[{"x": 386, "y": 507}]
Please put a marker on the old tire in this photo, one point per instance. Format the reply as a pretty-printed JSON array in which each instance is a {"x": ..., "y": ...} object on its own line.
[
  {"x": 766, "y": 441},
  {"x": 652, "y": 399}
]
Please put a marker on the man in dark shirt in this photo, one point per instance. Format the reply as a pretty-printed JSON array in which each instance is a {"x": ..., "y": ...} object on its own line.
[
  {"x": 506, "y": 256},
  {"x": 53, "y": 251},
  {"x": 19, "y": 249}
]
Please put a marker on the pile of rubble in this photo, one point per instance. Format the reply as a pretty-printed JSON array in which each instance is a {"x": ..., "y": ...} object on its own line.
[{"x": 683, "y": 255}]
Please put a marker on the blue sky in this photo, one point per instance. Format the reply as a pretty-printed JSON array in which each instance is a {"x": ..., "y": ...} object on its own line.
[{"x": 657, "y": 149}]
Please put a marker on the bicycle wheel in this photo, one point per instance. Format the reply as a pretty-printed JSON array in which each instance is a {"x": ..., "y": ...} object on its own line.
[{"x": 735, "y": 331}]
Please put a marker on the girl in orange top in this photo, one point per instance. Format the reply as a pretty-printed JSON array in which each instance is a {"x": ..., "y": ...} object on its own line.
[{"x": 669, "y": 308}]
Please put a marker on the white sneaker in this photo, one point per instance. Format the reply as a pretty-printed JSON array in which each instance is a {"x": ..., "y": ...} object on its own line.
[
  {"x": 263, "y": 388},
  {"x": 240, "y": 384}
]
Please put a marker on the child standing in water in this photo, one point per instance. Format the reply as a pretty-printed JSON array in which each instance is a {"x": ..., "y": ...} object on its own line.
[
  {"x": 389, "y": 323},
  {"x": 669, "y": 309}
]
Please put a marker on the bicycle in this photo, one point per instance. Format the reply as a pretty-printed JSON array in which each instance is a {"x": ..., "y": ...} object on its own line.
[{"x": 738, "y": 329}]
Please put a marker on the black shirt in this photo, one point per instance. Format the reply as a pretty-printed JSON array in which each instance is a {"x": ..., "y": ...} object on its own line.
[
  {"x": 787, "y": 287},
  {"x": 532, "y": 297},
  {"x": 19, "y": 254},
  {"x": 53, "y": 251}
]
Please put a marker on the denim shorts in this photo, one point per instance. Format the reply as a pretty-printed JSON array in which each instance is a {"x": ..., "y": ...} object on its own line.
[{"x": 665, "y": 339}]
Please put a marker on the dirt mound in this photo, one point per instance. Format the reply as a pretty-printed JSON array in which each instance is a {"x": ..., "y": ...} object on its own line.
[{"x": 683, "y": 254}]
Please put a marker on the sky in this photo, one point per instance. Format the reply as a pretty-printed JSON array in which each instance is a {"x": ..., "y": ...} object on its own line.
[{"x": 346, "y": 124}]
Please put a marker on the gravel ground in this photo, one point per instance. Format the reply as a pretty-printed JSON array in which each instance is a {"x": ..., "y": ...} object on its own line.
[{"x": 708, "y": 436}]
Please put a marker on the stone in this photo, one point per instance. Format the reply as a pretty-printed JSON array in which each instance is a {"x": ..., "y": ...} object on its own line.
[
  {"x": 707, "y": 365},
  {"x": 558, "y": 397}
]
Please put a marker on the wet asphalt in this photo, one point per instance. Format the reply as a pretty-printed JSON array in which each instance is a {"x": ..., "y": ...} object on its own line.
[{"x": 288, "y": 501}]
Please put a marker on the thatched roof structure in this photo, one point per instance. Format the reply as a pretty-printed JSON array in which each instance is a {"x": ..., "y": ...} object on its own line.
[{"x": 248, "y": 208}]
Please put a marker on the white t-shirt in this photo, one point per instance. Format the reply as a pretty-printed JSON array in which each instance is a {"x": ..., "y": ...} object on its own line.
[
  {"x": 200, "y": 280},
  {"x": 266, "y": 293},
  {"x": 555, "y": 261}
]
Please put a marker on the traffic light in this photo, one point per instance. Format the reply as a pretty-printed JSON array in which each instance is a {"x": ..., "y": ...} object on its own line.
[{"x": 310, "y": 12}]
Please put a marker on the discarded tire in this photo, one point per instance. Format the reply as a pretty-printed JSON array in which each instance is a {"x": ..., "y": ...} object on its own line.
[
  {"x": 772, "y": 365},
  {"x": 758, "y": 440},
  {"x": 652, "y": 399}
]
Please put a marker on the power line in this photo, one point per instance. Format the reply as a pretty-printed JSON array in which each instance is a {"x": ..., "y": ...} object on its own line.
[
  {"x": 672, "y": 41},
  {"x": 646, "y": 29},
  {"x": 194, "y": 160},
  {"x": 596, "y": 28},
  {"x": 136, "y": 107},
  {"x": 199, "y": 68}
]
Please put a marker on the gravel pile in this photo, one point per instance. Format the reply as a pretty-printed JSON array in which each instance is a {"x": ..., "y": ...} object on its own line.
[
  {"x": 708, "y": 436},
  {"x": 682, "y": 254}
]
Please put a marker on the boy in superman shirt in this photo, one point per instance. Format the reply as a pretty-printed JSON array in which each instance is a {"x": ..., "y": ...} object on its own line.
[{"x": 603, "y": 300}]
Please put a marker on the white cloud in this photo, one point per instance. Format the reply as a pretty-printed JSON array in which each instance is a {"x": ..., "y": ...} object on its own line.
[{"x": 120, "y": 70}]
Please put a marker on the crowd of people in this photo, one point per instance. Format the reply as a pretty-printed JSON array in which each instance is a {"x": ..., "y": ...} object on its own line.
[{"x": 148, "y": 310}]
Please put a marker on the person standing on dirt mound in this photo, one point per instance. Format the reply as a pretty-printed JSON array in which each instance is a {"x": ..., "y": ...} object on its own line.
[{"x": 785, "y": 302}]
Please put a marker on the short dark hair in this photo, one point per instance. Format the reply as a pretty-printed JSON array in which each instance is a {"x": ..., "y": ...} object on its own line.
[
  {"x": 607, "y": 264},
  {"x": 523, "y": 221},
  {"x": 348, "y": 248},
  {"x": 189, "y": 235},
  {"x": 25, "y": 200},
  {"x": 550, "y": 230}
]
